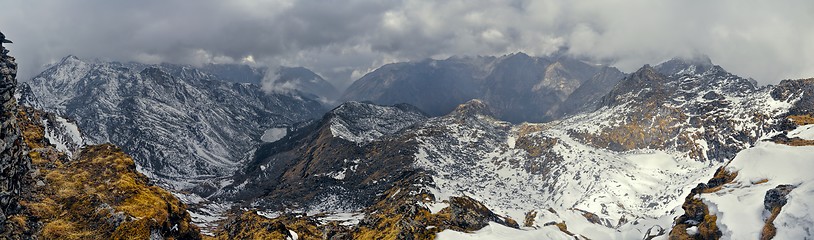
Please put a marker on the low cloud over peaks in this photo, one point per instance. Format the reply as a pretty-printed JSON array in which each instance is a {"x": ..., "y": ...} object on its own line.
[{"x": 767, "y": 40}]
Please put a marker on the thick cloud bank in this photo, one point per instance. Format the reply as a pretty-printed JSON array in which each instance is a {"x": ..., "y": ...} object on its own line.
[{"x": 342, "y": 40}]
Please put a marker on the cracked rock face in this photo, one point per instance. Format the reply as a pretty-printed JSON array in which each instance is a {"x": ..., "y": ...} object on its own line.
[{"x": 13, "y": 163}]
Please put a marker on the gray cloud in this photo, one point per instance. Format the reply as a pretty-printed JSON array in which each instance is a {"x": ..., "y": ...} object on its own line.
[{"x": 342, "y": 40}]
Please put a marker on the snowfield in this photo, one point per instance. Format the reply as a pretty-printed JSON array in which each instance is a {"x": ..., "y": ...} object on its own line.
[{"x": 739, "y": 206}]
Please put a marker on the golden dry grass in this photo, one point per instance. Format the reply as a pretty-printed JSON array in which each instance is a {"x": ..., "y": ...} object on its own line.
[
  {"x": 802, "y": 119},
  {"x": 82, "y": 197}
]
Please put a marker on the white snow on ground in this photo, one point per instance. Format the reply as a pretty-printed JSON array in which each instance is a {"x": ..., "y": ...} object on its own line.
[
  {"x": 739, "y": 206},
  {"x": 273, "y": 134},
  {"x": 345, "y": 219},
  {"x": 497, "y": 231},
  {"x": 207, "y": 216},
  {"x": 369, "y": 121},
  {"x": 293, "y": 234},
  {"x": 804, "y": 132},
  {"x": 64, "y": 135},
  {"x": 643, "y": 184}
]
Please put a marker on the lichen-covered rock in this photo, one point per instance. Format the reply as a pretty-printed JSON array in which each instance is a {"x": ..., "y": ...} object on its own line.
[{"x": 94, "y": 194}]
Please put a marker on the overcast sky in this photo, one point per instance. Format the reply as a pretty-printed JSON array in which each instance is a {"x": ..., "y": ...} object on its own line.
[{"x": 342, "y": 40}]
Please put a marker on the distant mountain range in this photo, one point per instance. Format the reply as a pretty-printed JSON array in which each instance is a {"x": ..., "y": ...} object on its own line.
[
  {"x": 182, "y": 125},
  {"x": 282, "y": 78},
  {"x": 443, "y": 148},
  {"x": 518, "y": 87},
  {"x": 618, "y": 170}
]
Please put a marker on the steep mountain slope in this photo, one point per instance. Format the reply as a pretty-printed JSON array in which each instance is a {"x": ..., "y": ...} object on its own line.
[
  {"x": 330, "y": 164},
  {"x": 238, "y": 73},
  {"x": 181, "y": 125},
  {"x": 54, "y": 190},
  {"x": 518, "y": 87},
  {"x": 620, "y": 171},
  {"x": 304, "y": 80}
]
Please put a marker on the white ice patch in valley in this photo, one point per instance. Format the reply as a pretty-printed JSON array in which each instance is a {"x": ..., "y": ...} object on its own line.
[
  {"x": 273, "y": 134},
  {"x": 269, "y": 215}
]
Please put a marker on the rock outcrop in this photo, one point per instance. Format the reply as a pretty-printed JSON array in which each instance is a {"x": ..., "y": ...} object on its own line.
[
  {"x": 13, "y": 161},
  {"x": 51, "y": 187}
]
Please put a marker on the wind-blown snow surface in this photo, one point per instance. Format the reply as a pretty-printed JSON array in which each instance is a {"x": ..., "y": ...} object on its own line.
[
  {"x": 649, "y": 184},
  {"x": 739, "y": 206},
  {"x": 619, "y": 187}
]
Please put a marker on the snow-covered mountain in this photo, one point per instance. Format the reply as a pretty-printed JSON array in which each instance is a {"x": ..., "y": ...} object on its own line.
[
  {"x": 180, "y": 124},
  {"x": 328, "y": 164},
  {"x": 282, "y": 78},
  {"x": 518, "y": 87},
  {"x": 663, "y": 152},
  {"x": 303, "y": 80},
  {"x": 620, "y": 171}
]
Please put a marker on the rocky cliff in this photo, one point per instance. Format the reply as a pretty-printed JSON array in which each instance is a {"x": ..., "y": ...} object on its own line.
[
  {"x": 54, "y": 187},
  {"x": 14, "y": 163}
]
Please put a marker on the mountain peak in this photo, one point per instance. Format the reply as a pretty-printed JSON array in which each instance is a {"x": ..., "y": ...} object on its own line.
[
  {"x": 685, "y": 65},
  {"x": 154, "y": 72},
  {"x": 646, "y": 72},
  {"x": 638, "y": 86},
  {"x": 472, "y": 108},
  {"x": 70, "y": 57},
  {"x": 306, "y": 81},
  {"x": 69, "y": 60},
  {"x": 365, "y": 121}
]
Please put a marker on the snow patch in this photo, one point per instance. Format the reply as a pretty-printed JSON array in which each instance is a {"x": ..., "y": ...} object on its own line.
[
  {"x": 739, "y": 205},
  {"x": 273, "y": 134}
]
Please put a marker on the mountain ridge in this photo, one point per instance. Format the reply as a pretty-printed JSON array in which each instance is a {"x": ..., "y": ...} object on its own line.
[
  {"x": 161, "y": 112},
  {"x": 518, "y": 86}
]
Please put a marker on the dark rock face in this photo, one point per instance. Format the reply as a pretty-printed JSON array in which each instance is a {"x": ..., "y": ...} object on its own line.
[
  {"x": 14, "y": 163},
  {"x": 333, "y": 158},
  {"x": 467, "y": 213},
  {"x": 518, "y": 87},
  {"x": 803, "y": 89},
  {"x": 776, "y": 197}
]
